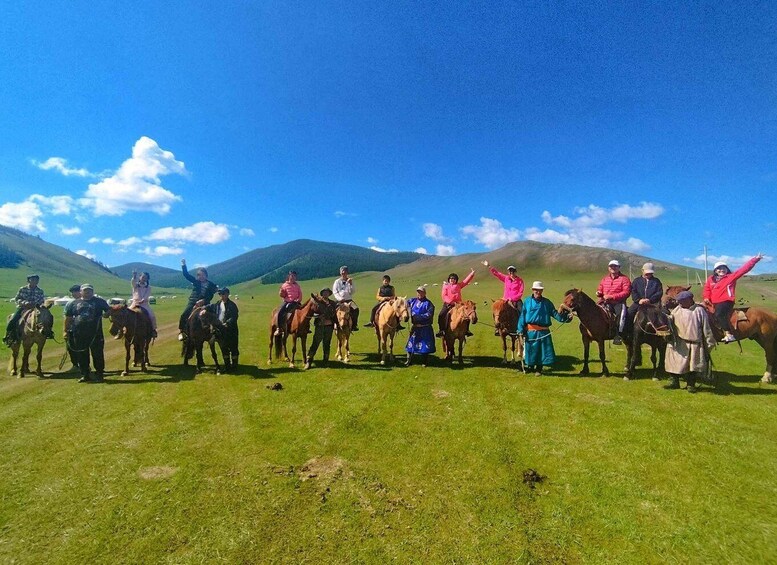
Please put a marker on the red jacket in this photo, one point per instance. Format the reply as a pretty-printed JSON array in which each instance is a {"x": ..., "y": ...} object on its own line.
[
  {"x": 723, "y": 289},
  {"x": 618, "y": 288}
]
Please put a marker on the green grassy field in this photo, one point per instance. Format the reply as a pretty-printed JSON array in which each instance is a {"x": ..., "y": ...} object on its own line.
[{"x": 362, "y": 463}]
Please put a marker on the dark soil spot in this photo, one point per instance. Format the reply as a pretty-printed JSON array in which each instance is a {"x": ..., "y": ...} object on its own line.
[
  {"x": 532, "y": 477},
  {"x": 275, "y": 386}
]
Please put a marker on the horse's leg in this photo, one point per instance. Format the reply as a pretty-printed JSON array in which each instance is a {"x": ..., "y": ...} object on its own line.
[
  {"x": 215, "y": 356},
  {"x": 769, "y": 343},
  {"x": 383, "y": 347},
  {"x": 631, "y": 357},
  {"x": 26, "y": 347},
  {"x": 605, "y": 371},
  {"x": 14, "y": 357},
  {"x": 39, "y": 357},
  {"x": 461, "y": 351},
  {"x": 654, "y": 360},
  {"x": 586, "y": 349},
  {"x": 504, "y": 347},
  {"x": 127, "y": 345},
  {"x": 304, "y": 339},
  {"x": 348, "y": 348},
  {"x": 200, "y": 360},
  {"x": 391, "y": 347},
  {"x": 293, "y": 351}
]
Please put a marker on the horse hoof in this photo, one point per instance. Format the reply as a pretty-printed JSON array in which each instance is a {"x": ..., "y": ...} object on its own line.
[
  {"x": 767, "y": 378},
  {"x": 625, "y": 378},
  {"x": 124, "y": 373},
  {"x": 656, "y": 379},
  {"x": 382, "y": 362},
  {"x": 291, "y": 365},
  {"x": 12, "y": 373},
  {"x": 218, "y": 372}
]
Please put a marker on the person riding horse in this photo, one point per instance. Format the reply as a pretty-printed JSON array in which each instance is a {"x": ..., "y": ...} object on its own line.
[
  {"x": 29, "y": 296},
  {"x": 202, "y": 293},
  {"x": 343, "y": 290},
  {"x": 513, "y": 287},
  {"x": 613, "y": 291},
  {"x": 291, "y": 293},
  {"x": 84, "y": 332},
  {"x": 141, "y": 292},
  {"x": 720, "y": 292},
  {"x": 451, "y": 295},
  {"x": 646, "y": 289},
  {"x": 227, "y": 314},
  {"x": 385, "y": 293}
]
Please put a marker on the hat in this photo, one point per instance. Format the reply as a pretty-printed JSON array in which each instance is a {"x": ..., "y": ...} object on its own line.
[
  {"x": 293, "y": 272},
  {"x": 537, "y": 285},
  {"x": 421, "y": 289},
  {"x": 648, "y": 268},
  {"x": 323, "y": 290},
  {"x": 32, "y": 276},
  {"x": 715, "y": 266},
  {"x": 511, "y": 268},
  {"x": 85, "y": 286},
  {"x": 614, "y": 263},
  {"x": 343, "y": 269},
  {"x": 75, "y": 288},
  {"x": 684, "y": 295},
  {"x": 224, "y": 290}
]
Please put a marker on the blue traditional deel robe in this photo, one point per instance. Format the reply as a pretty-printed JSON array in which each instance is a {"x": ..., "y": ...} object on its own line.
[
  {"x": 539, "y": 345},
  {"x": 421, "y": 335}
]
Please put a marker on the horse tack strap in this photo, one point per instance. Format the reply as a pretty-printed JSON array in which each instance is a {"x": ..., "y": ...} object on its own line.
[{"x": 536, "y": 328}]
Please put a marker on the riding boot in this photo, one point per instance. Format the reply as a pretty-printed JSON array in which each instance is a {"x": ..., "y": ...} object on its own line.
[
  {"x": 674, "y": 382},
  {"x": 234, "y": 363},
  {"x": 690, "y": 382}
]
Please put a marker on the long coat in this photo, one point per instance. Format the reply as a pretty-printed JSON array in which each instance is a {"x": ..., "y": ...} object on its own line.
[
  {"x": 539, "y": 345},
  {"x": 422, "y": 335},
  {"x": 689, "y": 351}
]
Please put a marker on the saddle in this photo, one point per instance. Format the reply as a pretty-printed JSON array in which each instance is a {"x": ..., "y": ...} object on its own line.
[{"x": 612, "y": 319}]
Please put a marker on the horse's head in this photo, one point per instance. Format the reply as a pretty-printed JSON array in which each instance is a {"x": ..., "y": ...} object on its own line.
[
  {"x": 118, "y": 316},
  {"x": 400, "y": 308},
  {"x": 571, "y": 300},
  {"x": 652, "y": 319},
  {"x": 343, "y": 314},
  {"x": 469, "y": 311},
  {"x": 669, "y": 300}
]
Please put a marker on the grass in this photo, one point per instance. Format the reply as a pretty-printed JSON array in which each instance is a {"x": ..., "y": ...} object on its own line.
[{"x": 370, "y": 464}]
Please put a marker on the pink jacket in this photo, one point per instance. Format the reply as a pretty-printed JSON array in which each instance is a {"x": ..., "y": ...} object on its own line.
[
  {"x": 619, "y": 288},
  {"x": 451, "y": 293},
  {"x": 290, "y": 292},
  {"x": 513, "y": 287},
  {"x": 724, "y": 289}
]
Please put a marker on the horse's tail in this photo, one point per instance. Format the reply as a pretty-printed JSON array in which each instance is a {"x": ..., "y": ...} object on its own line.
[{"x": 277, "y": 344}]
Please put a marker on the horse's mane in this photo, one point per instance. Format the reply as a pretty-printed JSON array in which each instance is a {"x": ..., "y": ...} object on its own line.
[{"x": 580, "y": 294}]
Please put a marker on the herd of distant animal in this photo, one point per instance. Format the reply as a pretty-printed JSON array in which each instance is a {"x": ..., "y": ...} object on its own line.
[{"x": 596, "y": 323}]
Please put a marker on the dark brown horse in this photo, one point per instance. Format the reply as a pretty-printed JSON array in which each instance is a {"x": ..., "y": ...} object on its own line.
[
  {"x": 651, "y": 326},
  {"x": 596, "y": 324},
  {"x": 748, "y": 323},
  {"x": 459, "y": 318},
  {"x": 298, "y": 327},
  {"x": 137, "y": 329},
  {"x": 33, "y": 327},
  {"x": 505, "y": 322},
  {"x": 199, "y": 332}
]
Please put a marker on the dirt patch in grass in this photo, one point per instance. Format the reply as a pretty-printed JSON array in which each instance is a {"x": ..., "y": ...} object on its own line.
[
  {"x": 275, "y": 386},
  {"x": 532, "y": 477},
  {"x": 154, "y": 473},
  {"x": 441, "y": 393},
  {"x": 322, "y": 468}
]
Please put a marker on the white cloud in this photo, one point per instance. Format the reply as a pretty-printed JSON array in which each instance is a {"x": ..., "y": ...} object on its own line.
[
  {"x": 26, "y": 216},
  {"x": 273, "y": 229},
  {"x": 445, "y": 250},
  {"x": 341, "y": 214},
  {"x": 161, "y": 250},
  {"x": 593, "y": 215},
  {"x": 247, "y": 232},
  {"x": 491, "y": 233},
  {"x": 93, "y": 240},
  {"x": 592, "y": 237},
  {"x": 105, "y": 240},
  {"x": 381, "y": 250},
  {"x": 421, "y": 250},
  {"x": 75, "y": 230},
  {"x": 202, "y": 233},
  {"x": 435, "y": 232},
  {"x": 129, "y": 241},
  {"x": 85, "y": 253},
  {"x": 731, "y": 262},
  {"x": 55, "y": 205},
  {"x": 136, "y": 185},
  {"x": 59, "y": 164},
  {"x": 372, "y": 240}
]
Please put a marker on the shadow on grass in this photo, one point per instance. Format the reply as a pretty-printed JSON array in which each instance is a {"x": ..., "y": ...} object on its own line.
[{"x": 725, "y": 388}]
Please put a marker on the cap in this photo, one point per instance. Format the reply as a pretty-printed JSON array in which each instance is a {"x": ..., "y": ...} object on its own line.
[
  {"x": 75, "y": 288},
  {"x": 648, "y": 268},
  {"x": 224, "y": 290},
  {"x": 537, "y": 285},
  {"x": 718, "y": 264},
  {"x": 32, "y": 276},
  {"x": 614, "y": 263},
  {"x": 421, "y": 289},
  {"x": 684, "y": 295},
  {"x": 326, "y": 291},
  {"x": 86, "y": 286},
  {"x": 511, "y": 268}
]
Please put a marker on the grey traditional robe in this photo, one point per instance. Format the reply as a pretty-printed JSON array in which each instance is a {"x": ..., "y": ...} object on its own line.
[{"x": 689, "y": 351}]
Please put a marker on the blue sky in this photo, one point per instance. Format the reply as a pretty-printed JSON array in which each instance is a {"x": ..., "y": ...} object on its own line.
[{"x": 155, "y": 131}]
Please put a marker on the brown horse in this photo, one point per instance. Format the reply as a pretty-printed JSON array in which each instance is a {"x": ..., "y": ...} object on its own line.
[
  {"x": 459, "y": 318},
  {"x": 505, "y": 322},
  {"x": 344, "y": 321},
  {"x": 298, "y": 328},
  {"x": 136, "y": 327},
  {"x": 596, "y": 324},
  {"x": 200, "y": 331},
  {"x": 389, "y": 316},
  {"x": 33, "y": 327},
  {"x": 651, "y": 326},
  {"x": 749, "y": 323}
]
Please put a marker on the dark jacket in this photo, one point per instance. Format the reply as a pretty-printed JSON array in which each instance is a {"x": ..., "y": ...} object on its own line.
[
  {"x": 200, "y": 291},
  {"x": 230, "y": 316},
  {"x": 652, "y": 289}
]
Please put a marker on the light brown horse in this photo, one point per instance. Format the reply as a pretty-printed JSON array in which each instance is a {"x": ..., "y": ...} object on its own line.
[
  {"x": 596, "y": 324},
  {"x": 137, "y": 329},
  {"x": 459, "y": 318},
  {"x": 389, "y": 316},
  {"x": 748, "y": 323},
  {"x": 298, "y": 328},
  {"x": 344, "y": 322},
  {"x": 505, "y": 322},
  {"x": 33, "y": 327}
]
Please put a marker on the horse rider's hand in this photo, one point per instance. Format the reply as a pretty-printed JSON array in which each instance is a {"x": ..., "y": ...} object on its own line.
[
  {"x": 485, "y": 263},
  {"x": 183, "y": 262},
  {"x": 644, "y": 301},
  {"x": 599, "y": 293},
  {"x": 349, "y": 280},
  {"x": 759, "y": 256},
  {"x": 200, "y": 303},
  {"x": 707, "y": 302}
]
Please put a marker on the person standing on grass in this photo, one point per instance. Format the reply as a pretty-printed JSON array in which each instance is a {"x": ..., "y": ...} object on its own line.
[
  {"x": 720, "y": 293},
  {"x": 227, "y": 314},
  {"x": 84, "y": 332},
  {"x": 421, "y": 341},
  {"x": 324, "y": 325},
  {"x": 291, "y": 294},
  {"x": 688, "y": 354},
  {"x": 451, "y": 295},
  {"x": 343, "y": 290},
  {"x": 202, "y": 293},
  {"x": 534, "y": 325},
  {"x": 613, "y": 291}
]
